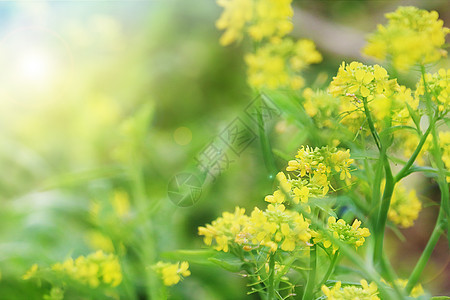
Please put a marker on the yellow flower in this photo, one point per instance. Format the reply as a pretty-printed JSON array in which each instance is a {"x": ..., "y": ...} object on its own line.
[
  {"x": 262, "y": 19},
  {"x": 277, "y": 63},
  {"x": 439, "y": 88},
  {"x": 351, "y": 235},
  {"x": 405, "y": 207},
  {"x": 386, "y": 99},
  {"x": 224, "y": 229},
  {"x": 321, "y": 107},
  {"x": 311, "y": 171},
  {"x": 444, "y": 143},
  {"x": 91, "y": 270},
  {"x": 411, "y": 36},
  {"x": 121, "y": 203},
  {"x": 172, "y": 273},
  {"x": 31, "y": 272},
  {"x": 351, "y": 292},
  {"x": 236, "y": 14},
  {"x": 275, "y": 228}
]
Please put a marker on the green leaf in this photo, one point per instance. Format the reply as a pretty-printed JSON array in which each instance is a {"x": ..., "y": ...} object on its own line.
[
  {"x": 227, "y": 262},
  {"x": 192, "y": 256},
  {"x": 414, "y": 116},
  {"x": 207, "y": 257},
  {"x": 440, "y": 298}
]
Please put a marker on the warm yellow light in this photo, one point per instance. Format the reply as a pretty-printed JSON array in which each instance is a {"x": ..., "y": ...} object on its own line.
[{"x": 34, "y": 67}]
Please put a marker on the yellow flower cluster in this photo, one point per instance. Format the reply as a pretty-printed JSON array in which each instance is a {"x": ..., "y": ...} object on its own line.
[
  {"x": 405, "y": 207},
  {"x": 439, "y": 88},
  {"x": 351, "y": 292},
  {"x": 92, "y": 270},
  {"x": 387, "y": 100},
  {"x": 358, "y": 80},
  {"x": 417, "y": 290},
  {"x": 320, "y": 106},
  {"x": 276, "y": 63},
  {"x": 275, "y": 228},
  {"x": 311, "y": 172},
  {"x": 224, "y": 229},
  {"x": 259, "y": 18},
  {"x": 351, "y": 235},
  {"x": 172, "y": 273},
  {"x": 412, "y": 36},
  {"x": 444, "y": 143}
]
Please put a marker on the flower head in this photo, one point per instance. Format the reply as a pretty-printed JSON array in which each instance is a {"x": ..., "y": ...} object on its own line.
[
  {"x": 405, "y": 207},
  {"x": 259, "y": 18},
  {"x": 351, "y": 292},
  {"x": 438, "y": 85},
  {"x": 351, "y": 235},
  {"x": 172, "y": 273},
  {"x": 224, "y": 230},
  {"x": 276, "y": 227},
  {"x": 92, "y": 269},
  {"x": 276, "y": 64},
  {"x": 411, "y": 36}
]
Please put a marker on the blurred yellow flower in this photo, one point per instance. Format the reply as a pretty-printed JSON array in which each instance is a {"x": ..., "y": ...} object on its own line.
[
  {"x": 277, "y": 64},
  {"x": 172, "y": 273},
  {"x": 412, "y": 36},
  {"x": 351, "y": 292},
  {"x": 405, "y": 207},
  {"x": 259, "y": 18}
]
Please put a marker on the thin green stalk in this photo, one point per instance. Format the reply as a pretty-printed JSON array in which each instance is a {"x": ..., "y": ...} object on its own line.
[
  {"x": 426, "y": 254},
  {"x": 404, "y": 171},
  {"x": 271, "y": 284},
  {"x": 265, "y": 146},
  {"x": 330, "y": 269},
  {"x": 437, "y": 156},
  {"x": 153, "y": 286},
  {"x": 371, "y": 124},
  {"x": 383, "y": 212},
  {"x": 310, "y": 285},
  {"x": 444, "y": 207}
]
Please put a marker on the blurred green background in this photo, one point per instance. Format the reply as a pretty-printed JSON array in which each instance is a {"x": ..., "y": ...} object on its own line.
[{"x": 101, "y": 97}]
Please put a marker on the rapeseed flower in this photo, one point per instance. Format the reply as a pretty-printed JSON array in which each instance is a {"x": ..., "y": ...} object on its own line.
[
  {"x": 351, "y": 292},
  {"x": 386, "y": 99},
  {"x": 260, "y": 19},
  {"x": 412, "y": 36},
  {"x": 352, "y": 235},
  {"x": 444, "y": 144},
  {"x": 277, "y": 64},
  {"x": 276, "y": 227},
  {"x": 310, "y": 174},
  {"x": 224, "y": 230},
  {"x": 405, "y": 207},
  {"x": 171, "y": 274},
  {"x": 93, "y": 269},
  {"x": 438, "y": 85}
]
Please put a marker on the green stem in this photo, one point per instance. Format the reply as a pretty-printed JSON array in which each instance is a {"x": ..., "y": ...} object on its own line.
[
  {"x": 383, "y": 212},
  {"x": 444, "y": 207},
  {"x": 148, "y": 255},
  {"x": 265, "y": 146},
  {"x": 404, "y": 171},
  {"x": 308, "y": 294},
  {"x": 437, "y": 156},
  {"x": 271, "y": 285},
  {"x": 371, "y": 124},
  {"x": 425, "y": 256},
  {"x": 330, "y": 269}
]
